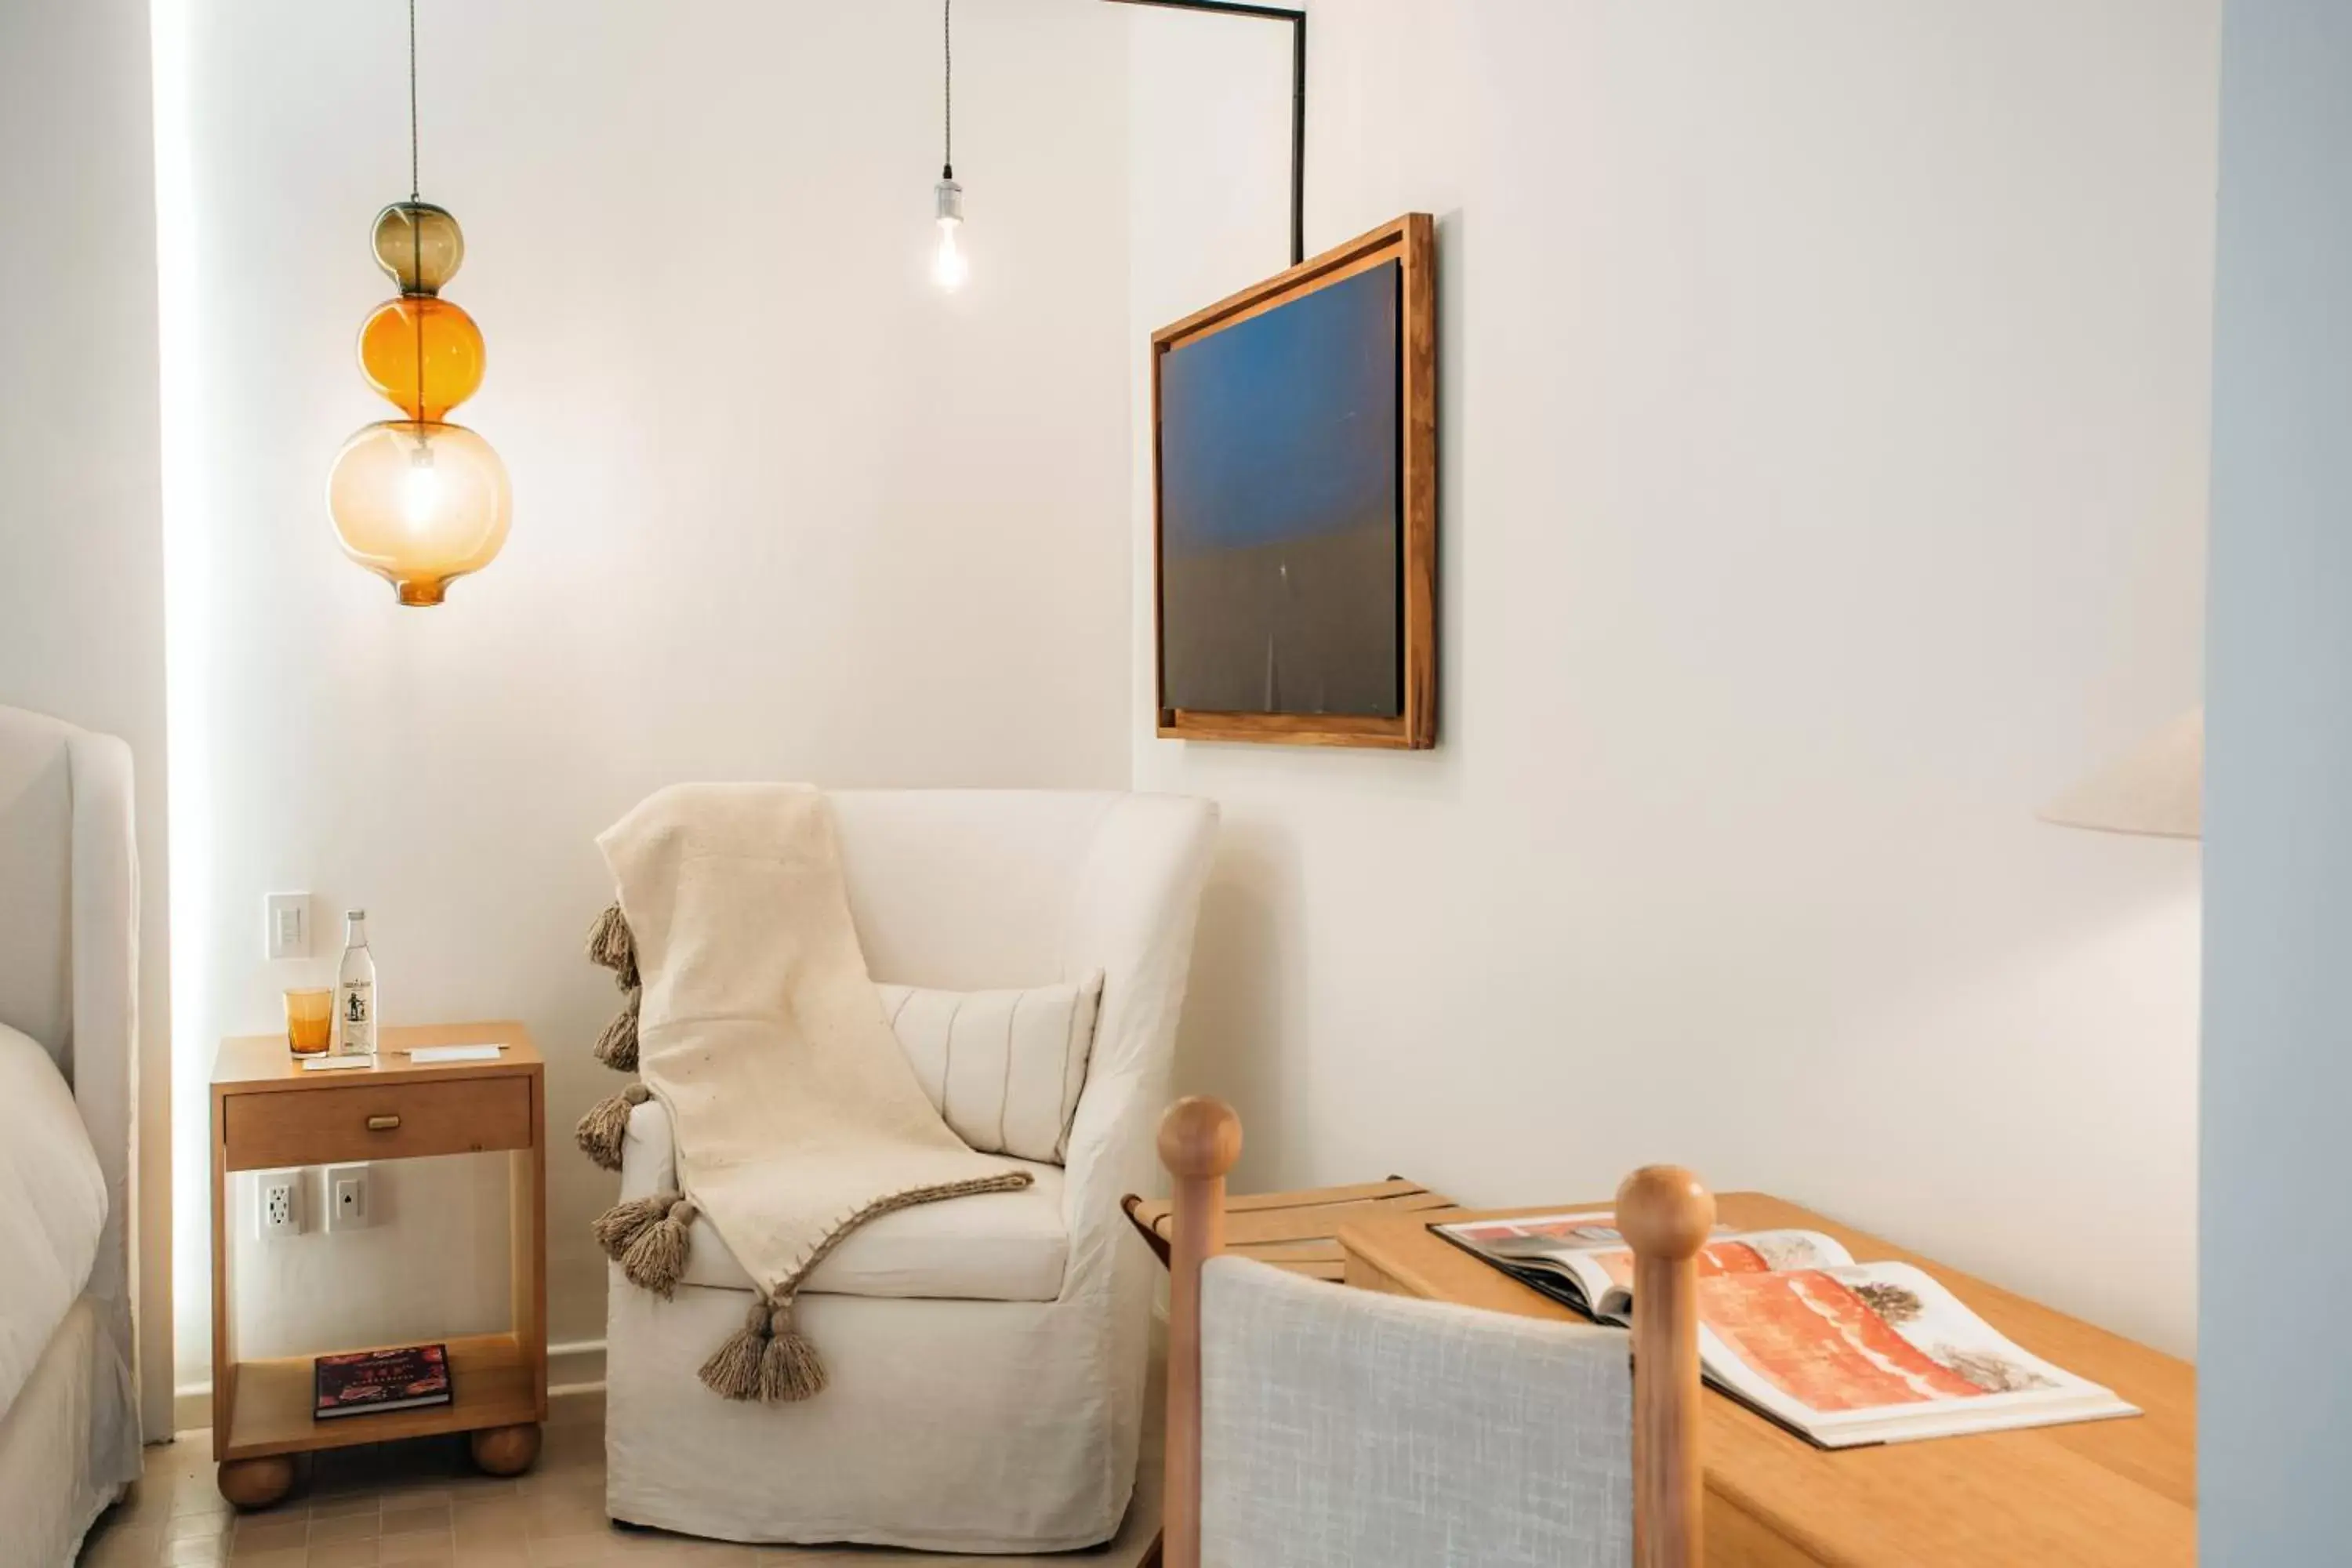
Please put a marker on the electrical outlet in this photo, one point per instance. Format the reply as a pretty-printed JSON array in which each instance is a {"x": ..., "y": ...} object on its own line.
[
  {"x": 350, "y": 1204},
  {"x": 277, "y": 1203},
  {"x": 285, "y": 925}
]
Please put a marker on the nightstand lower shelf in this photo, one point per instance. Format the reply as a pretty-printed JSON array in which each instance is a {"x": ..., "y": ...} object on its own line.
[{"x": 492, "y": 1381}]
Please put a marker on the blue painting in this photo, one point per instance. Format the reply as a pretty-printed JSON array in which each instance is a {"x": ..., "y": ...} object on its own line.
[{"x": 1281, "y": 532}]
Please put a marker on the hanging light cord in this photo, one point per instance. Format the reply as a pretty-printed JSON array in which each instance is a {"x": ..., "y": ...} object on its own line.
[
  {"x": 413, "y": 186},
  {"x": 416, "y": 222},
  {"x": 947, "y": 58}
]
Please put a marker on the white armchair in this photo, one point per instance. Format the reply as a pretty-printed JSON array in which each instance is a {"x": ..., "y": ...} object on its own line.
[{"x": 985, "y": 1354}]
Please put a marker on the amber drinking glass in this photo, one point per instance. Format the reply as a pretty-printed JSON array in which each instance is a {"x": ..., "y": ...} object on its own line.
[{"x": 308, "y": 1013}]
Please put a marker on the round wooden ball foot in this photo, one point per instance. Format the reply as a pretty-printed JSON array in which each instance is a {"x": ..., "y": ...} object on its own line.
[
  {"x": 256, "y": 1483},
  {"x": 505, "y": 1450}
]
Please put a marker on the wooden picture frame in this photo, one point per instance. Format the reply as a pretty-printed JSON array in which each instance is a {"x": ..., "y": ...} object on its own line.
[{"x": 1410, "y": 241}]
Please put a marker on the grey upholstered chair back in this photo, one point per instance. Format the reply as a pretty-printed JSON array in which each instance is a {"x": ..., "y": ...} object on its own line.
[{"x": 1349, "y": 1429}]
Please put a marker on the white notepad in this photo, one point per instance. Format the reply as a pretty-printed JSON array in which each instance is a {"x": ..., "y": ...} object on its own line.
[
  {"x": 424, "y": 1055},
  {"x": 336, "y": 1064}
]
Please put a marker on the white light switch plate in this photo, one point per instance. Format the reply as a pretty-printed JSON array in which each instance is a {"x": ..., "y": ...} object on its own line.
[{"x": 285, "y": 925}]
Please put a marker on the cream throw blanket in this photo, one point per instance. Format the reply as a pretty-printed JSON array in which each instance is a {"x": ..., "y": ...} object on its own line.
[{"x": 797, "y": 1116}]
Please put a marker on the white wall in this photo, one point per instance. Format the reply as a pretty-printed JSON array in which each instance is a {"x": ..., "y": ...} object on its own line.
[
  {"x": 1822, "y": 398},
  {"x": 781, "y": 510},
  {"x": 2274, "y": 1392},
  {"x": 1823, "y": 392},
  {"x": 81, "y": 544}
]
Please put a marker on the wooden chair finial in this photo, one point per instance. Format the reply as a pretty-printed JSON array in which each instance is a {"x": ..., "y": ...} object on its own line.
[
  {"x": 1200, "y": 1138},
  {"x": 1663, "y": 1211}
]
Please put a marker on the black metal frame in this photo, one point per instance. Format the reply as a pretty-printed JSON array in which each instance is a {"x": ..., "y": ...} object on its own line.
[{"x": 1297, "y": 20}]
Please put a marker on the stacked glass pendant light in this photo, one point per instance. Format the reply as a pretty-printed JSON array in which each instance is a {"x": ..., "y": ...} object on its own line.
[{"x": 418, "y": 500}]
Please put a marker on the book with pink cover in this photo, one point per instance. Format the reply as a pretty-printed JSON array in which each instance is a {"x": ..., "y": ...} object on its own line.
[{"x": 1841, "y": 1352}]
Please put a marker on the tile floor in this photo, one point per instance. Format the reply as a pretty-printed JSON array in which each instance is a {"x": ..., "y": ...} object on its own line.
[{"x": 421, "y": 1505}]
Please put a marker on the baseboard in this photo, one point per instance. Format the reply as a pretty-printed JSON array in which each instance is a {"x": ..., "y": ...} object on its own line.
[
  {"x": 575, "y": 1366},
  {"x": 192, "y": 1407}
]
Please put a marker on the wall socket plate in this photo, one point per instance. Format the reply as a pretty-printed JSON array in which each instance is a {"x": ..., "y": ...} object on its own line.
[
  {"x": 285, "y": 925},
  {"x": 277, "y": 1203},
  {"x": 350, "y": 1203}
]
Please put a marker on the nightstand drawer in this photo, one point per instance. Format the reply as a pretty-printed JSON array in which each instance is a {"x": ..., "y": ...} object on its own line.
[{"x": 376, "y": 1122}]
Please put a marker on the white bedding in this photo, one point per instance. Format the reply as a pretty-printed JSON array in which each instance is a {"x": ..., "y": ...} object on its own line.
[{"x": 52, "y": 1206}]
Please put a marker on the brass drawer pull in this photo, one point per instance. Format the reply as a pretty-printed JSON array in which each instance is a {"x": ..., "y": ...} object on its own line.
[{"x": 383, "y": 1124}]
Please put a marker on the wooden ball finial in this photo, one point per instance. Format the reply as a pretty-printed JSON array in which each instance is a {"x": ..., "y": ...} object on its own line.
[
  {"x": 1663, "y": 1211},
  {"x": 1200, "y": 1137}
]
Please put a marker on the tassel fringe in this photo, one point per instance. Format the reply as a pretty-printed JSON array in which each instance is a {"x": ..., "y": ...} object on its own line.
[
  {"x": 767, "y": 1359},
  {"x": 617, "y": 1048},
  {"x": 789, "y": 1369},
  {"x": 600, "y": 1132},
  {"x": 656, "y": 1258},
  {"x": 733, "y": 1369},
  {"x": 619, "y": 1227},
  {"x": 609, "y": 946}
]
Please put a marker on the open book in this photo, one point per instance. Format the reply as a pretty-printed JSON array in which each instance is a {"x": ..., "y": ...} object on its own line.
[{"x": 1838, "y": 1351}]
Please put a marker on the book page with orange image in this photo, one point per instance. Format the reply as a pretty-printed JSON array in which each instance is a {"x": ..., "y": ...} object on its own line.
[
  {"x": 1879, "y": 1351},
  {"x": 1749, "y": 1252},
  {"x": 1582, "y": 1259}
]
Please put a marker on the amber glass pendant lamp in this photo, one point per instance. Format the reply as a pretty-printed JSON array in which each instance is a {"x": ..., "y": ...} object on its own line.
[{"x": 418, "y": 500}]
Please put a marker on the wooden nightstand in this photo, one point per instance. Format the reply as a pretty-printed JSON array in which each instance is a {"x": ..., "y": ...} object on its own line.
[{"x": 268, "y": 1112}]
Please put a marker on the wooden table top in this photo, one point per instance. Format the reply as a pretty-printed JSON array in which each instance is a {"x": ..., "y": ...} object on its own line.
[
  {"x": 2106, "y": 1492},
  {"x": 251, "y": 1063}
]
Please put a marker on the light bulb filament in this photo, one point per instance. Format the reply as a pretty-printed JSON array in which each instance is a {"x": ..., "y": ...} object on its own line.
[
  {"x": 420, "y": 492},
  {"x": 948, "y": 267}
]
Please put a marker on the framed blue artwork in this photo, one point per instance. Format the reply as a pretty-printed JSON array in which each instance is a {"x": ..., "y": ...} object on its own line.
[{"x": 1295, "y": 479}]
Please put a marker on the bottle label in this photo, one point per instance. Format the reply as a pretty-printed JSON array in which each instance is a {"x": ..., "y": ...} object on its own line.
[{"x": 355, "y": 1017}]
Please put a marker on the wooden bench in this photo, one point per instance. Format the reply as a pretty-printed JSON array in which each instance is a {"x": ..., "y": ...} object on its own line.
[{"x": 1298, "y": 1231}]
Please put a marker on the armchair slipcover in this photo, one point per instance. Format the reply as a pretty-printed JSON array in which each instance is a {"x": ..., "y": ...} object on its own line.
[{"x": 985, "y": 1354}]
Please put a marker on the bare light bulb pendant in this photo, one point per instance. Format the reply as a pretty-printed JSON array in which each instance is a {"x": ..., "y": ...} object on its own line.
[{"x": 949, "y": 267}]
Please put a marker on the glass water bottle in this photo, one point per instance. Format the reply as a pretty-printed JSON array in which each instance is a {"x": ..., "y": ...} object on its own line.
[{"x": 355, "y": 997}]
